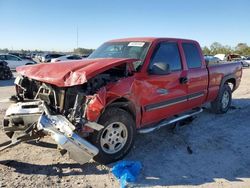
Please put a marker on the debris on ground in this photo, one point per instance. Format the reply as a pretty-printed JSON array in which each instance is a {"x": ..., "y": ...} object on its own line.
[{"x": 127, "y": 171}]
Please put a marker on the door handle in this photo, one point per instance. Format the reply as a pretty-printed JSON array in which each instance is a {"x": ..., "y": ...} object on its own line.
[
  {"x": 183, "y": 80},
  {"x": 162, "y": 91}
]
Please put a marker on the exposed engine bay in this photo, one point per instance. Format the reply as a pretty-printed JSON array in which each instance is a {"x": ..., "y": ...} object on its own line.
[
  {"x": 45, "y": 109},
  {"x": 70, "y": 101}
]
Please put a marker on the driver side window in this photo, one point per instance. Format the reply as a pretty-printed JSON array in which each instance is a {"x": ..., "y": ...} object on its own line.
[{"x": 167, "y": 53}]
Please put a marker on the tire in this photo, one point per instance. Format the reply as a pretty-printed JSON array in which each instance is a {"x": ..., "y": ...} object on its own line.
[
  {"x": 114, "y": 120},
  {"x": 8, "y": 74},
  {"x": 5, "y": 74},
  {"x": 1, "y": 75},
  {"x": 223, "y": 101}
]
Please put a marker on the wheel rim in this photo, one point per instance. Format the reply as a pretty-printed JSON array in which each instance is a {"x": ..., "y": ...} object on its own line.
[
  {"x": 114, "y": 137},
  {"x": 225, "y": 99}
]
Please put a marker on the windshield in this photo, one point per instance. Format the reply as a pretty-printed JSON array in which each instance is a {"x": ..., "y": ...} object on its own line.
[{"x": 132, "y": 49}]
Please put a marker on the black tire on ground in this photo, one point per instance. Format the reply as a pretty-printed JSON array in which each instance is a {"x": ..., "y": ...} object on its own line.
[
  {"x": 5, "y": 74},
  {"x": 217, "y": 105},
  {"x": 109, "y": 119},
  {"x": 8, "y": 75},
  {"x": 1, "y": 75}
]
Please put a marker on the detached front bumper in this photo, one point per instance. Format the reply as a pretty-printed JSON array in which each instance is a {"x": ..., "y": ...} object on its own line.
[
  {"x": 31, "y": 120},
  {"x": 61, "y": 130}
]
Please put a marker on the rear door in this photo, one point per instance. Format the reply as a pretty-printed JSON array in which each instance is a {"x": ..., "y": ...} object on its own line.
[
  {"x": 163, "y": 96},
  {"x": 197, "y": 74}
]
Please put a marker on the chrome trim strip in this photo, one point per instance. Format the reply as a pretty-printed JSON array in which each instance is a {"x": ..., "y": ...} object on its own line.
[
  {"x": 166, "y": 105},
  {"x": 195, "y": 97}
]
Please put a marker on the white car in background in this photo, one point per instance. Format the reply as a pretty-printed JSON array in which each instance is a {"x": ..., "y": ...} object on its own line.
[
  {"x": 221, "y": 56},
  {"x": 14, "y": 61},
  {"x": 245, "y": 62},
  {"x": 46, "y": 58},
  {"x": 66, "y": 58}
]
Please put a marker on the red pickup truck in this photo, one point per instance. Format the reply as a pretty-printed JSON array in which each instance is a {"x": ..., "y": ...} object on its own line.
[{"x": 94, "y": 107}]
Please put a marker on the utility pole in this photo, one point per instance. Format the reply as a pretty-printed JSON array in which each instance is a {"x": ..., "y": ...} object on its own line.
[{"x": 77, "y": 37}]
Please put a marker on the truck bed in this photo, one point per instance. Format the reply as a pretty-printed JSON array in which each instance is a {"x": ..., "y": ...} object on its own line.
[{"x": 217, "y": 72}]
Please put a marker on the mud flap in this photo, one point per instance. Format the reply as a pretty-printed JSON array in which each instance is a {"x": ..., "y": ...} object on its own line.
[{"x": 31, "y": 119}]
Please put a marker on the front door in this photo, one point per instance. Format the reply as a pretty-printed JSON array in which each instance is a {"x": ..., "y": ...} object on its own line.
[{"x": 164, "y": 95}]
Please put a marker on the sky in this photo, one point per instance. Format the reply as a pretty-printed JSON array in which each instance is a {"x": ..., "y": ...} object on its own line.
[{"x": 52, "y": 24}]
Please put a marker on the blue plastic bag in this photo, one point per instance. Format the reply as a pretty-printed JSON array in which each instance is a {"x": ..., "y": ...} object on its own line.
[{"x": 127, "y": 171}]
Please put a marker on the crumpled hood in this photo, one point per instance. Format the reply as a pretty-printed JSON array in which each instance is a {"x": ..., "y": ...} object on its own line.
[{"x": 69, "y": 73}]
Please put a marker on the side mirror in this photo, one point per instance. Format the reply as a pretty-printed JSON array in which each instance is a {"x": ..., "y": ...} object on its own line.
[{"x": 160, "y": 68}]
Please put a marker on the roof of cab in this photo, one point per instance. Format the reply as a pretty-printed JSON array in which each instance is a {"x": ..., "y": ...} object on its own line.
[{"x": 148, "y": 39}]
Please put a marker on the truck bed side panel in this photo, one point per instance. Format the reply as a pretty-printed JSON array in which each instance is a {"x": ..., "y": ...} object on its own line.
[{"x": 218, "y": 72}]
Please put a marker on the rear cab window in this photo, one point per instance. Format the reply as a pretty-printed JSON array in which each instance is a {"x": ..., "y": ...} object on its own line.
[
  {"x": 192, "y": 55},
  {"x": 168, "y": 53}
]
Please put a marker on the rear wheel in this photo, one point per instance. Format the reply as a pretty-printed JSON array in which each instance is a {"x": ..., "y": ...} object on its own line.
[
  {"x": 116, "y": 138},
  {"x": 223, "y": 101}
]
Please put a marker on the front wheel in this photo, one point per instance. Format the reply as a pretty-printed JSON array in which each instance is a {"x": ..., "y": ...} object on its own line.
[
  {"x": 223, "y": 101},
  {"x": 116, "y": 138}
]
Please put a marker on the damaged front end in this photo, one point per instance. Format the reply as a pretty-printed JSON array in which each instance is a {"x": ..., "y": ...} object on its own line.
[
  {"x": 67, "y": 113},
  {"x": 30, "y": 120}
]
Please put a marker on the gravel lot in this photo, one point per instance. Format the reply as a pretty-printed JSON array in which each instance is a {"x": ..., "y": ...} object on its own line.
[{"x": 220, "y": 158}]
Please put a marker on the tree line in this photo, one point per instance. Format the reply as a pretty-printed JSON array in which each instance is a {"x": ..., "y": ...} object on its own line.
[
  {"x": 83, "y": 51},
  {"x": 80, "y": 51},
  {"x": 214, "y": 48},
  {"x": 217, "y": 48}
]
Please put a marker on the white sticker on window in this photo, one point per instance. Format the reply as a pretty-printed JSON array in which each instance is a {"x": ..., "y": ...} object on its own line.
[{"x": 137, "y": 44}]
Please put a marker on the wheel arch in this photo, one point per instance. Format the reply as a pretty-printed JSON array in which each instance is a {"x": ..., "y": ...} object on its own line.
[
  {"x": 229, "y": 79},
  {"x": 124, "y": 104}
]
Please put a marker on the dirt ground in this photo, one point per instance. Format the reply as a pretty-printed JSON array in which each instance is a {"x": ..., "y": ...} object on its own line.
[{"x": 220, "y": 158}]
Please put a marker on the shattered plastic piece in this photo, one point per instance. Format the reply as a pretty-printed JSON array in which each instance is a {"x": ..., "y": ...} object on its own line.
[
  {"x": 96, "y": 105},
  {"x": 127, "y": 171}
]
